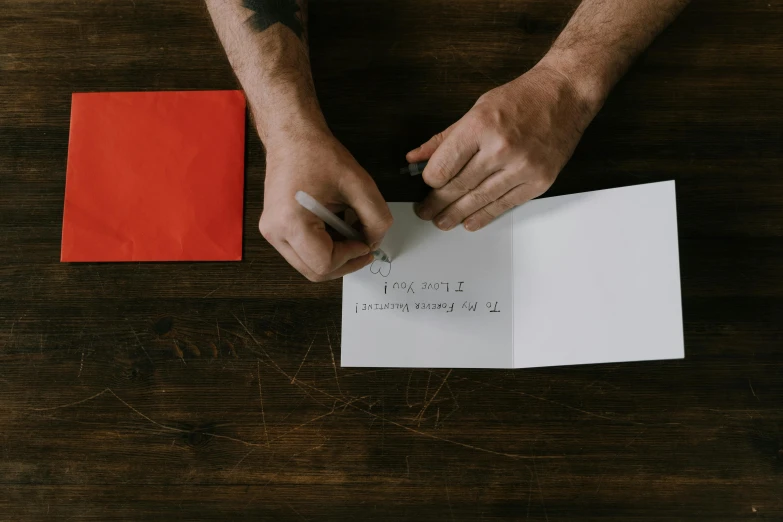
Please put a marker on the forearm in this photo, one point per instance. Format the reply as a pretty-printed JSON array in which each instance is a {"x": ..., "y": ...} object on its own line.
[
  {"x": 265, "y": 41},
  {"x": 601, "y": 41}
]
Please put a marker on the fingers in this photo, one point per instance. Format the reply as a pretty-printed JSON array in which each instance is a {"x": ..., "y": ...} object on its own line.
[
  {"x": 290, "y": 255},
  {"x": 514, "y": 197},
  {"x": 447, "y": 152},
  {"x": 366, "y": 200},
  {"x": 306, "y": 245},
  {"x": 489, "y": 191},
  {"x": 316, "y": 249},
  {"x": 472, "y": 174},
  {"x": 425, "y": 151},
  {"x": 450, "y": 157}
]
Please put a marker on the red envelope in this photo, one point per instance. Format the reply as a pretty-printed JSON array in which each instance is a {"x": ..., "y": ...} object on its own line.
[{"x": 155, "y": 176}]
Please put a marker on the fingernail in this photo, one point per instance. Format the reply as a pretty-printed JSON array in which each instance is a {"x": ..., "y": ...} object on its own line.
[
  {"x": 444, "y": 223},
  {"x": 471, "y": 225},
  {"x": 423, "y": 212},
  {"x": 375, "y": 246}
]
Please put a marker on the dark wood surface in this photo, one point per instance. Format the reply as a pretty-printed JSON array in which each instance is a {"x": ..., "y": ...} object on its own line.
[{"x": 214, "y": 391}]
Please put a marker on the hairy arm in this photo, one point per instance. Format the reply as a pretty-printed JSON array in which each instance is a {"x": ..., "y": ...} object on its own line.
[
  {"x": 265, "y": 41},
  {"x": 512, "y": 144},
  {"x": 602, "y": 40}
]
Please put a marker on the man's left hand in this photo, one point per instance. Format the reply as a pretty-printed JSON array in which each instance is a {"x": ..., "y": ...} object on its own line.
[{"x": 506, "y": 150}]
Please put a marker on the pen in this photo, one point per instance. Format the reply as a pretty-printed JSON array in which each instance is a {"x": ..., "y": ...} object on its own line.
[
  {"x": 414, "y": 169},
  {"x": 310, "y": 203}
]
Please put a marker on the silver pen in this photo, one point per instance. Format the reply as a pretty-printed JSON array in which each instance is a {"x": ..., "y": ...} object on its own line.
[{"x": 310, "y": 203}]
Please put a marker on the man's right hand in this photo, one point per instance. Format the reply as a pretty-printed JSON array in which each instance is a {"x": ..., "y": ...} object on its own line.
[
  {"x": 265, "y": 43},
  {"x": 315, "y": 162}
]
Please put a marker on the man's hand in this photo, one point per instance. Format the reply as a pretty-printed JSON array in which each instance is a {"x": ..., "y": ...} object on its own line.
[
  {"x": 512, "y": 144},
  {"x": 506, "y": 150},
  {"x": 265, "y": 43},
  {"x": 315, "y": 162}
]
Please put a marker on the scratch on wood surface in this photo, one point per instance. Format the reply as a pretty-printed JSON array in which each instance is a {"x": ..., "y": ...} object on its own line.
[
  {"x": 292, "y": 457},
  {"x": 260, "y": 346},
  {"x": 139, "y": 341},
  {"x": 448, "y": 496},
  {"x": 351, "y": 404},
  {"x": 334, "y": 364},
  {"x": 427, "y": 388},
  {"x": 427, "y": 404},
  {"x": 407, "y": 389},
  {"x": 540, "y": 492},
  {"x": 274, "y": 365},
  {"x": 529, "y": 493},
  {"x": 453, "y": 397},
  {"x": 241, "y": 460},
  {"x": 143, "y": 416},
  {"x": 344, "y": 376},
  {"x": 753, "y": 391},
  {"x": 303, "y": 360},
  {"x": 568, "y": 406},
  {"x": 81, "y": 365},
  {"x": 301, "y": 400},
  {"x": 212, "y": 292},
  {"x": 295, "y": 511},
  {"x": 314, "y": 419},
  {"x": 261, "y": 401},
  {"x": 178, "y": 352},
  {"x": 232, "y": 349},
  {"x": 430, "y": 435},
  {"x": 635, "y": 437}
]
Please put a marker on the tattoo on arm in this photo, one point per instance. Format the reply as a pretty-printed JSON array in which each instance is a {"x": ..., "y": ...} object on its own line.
[{"x": 267, "y": 13}]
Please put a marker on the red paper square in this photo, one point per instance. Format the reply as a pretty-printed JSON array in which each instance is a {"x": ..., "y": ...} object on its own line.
[{"x": 155, "y": 176}]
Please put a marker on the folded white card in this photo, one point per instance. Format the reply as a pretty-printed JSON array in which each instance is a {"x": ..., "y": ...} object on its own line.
[{"x": 576, "y": 279}]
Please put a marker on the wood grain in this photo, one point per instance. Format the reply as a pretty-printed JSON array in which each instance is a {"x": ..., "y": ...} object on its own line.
[{"x": 209, "y": 391}]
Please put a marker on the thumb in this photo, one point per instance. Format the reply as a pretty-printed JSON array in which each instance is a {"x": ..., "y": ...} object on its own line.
[
  {"x": 425, "y": 151},
  {"x": 366, "y": 200}
]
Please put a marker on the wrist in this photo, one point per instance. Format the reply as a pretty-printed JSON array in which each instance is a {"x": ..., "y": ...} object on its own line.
[
  {"x": 288, "y": 118},
  {"x": 586, "y": 80}
]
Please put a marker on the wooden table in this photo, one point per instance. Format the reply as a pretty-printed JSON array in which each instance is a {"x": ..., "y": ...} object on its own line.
[{"x": 214, "y": 391}]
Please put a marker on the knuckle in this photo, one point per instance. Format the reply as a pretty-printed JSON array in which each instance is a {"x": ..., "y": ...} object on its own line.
[
  {"x": 486, "y": 214},
  {"x": 481, "y": 198},
  {"x": 265, "y": 228},
  {"x": 321, "y": 268},
  {"x": 506, "y": 204},
  {"x": 459, "y": 184},
  {"x": 491, "y": 116},
  {"x": 480, "y": 119},
  {"x": 386, "y": 221},
  {"x": 504, "y": 144},
  {"x": 437, "y": 176},
  {"x": 540, "y": 184},
  {"x": 315, "y": 278}
]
